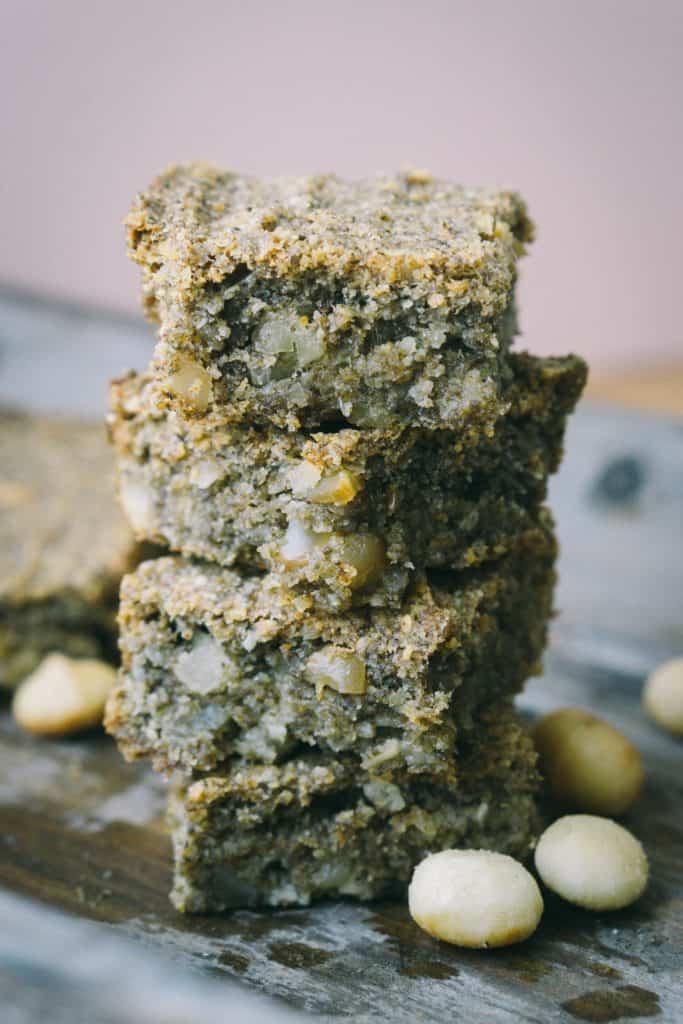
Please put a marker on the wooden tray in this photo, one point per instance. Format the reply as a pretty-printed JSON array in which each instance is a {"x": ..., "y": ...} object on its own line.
[{"x": 82, "y": 841}]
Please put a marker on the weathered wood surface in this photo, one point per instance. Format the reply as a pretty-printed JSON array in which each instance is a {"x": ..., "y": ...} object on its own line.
[{"x": 81, "y": 832}]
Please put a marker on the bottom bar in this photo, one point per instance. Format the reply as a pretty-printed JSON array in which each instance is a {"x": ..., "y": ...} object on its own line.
[{"x": 319, "y": 827}]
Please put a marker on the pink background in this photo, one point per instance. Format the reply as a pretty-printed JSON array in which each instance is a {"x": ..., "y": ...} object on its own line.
[{"x": 578, "y": 105}]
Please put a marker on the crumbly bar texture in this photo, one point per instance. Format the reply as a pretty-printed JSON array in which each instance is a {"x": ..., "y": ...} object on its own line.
[
  {"x": 64, "y": 544},
  {"x": 318, "y": 827},
  {"x": 298, "y": 301},
  {"x": 343, "y": 516},
  {"x": 216, "y": 665}
]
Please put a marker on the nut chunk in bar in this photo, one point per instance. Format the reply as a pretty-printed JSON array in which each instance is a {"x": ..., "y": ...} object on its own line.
[
  {"x": 215, "y": 665},
  {"x": 342, "y": 516},
  {"x": 64, "y": 544},
  {"x": 303, "y": 301},
  {"x": 318, "y": 827}
]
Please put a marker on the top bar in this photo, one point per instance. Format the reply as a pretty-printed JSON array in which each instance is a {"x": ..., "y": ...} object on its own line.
[{"x": 308, "y": 301}]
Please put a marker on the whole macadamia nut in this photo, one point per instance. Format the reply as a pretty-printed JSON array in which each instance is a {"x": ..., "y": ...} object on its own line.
[
  {"x": 63, "y": 695},
  {"x": 592, "y": 862},
  {"x": 587, "y": 764},
  {"x": 474, "y": 898},
  {"x": 663, "y": 696}
]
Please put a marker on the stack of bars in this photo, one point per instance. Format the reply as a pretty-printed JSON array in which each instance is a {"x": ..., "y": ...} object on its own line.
[{"x": 350, "y": 462}]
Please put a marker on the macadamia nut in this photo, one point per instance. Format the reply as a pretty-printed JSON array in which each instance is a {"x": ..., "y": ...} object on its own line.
[
  {"x": 202, "y": 667},
  {"x": 592, "y": 862},
  {"x": 361, "y": 555},
  {"x": 63, "y": 695},
  {"x": 295, "y": 336},
  {"x": 192, "y": 384},
  {"x": 365, "y": 554},
  {"x": 588, "y": 764},
  {"x": 303, "y": 478},
  {"x": 338, "y": 489},
  {"x": 300, "y": 544},
  {"x": 474, "y": 898},
  {"x": 663, "y": 696},
  {"x": 138, "y": 504},
  {"x": 337, "y": 668}
]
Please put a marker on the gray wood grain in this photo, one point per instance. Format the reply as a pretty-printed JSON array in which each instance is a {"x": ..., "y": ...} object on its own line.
[
  {"x": 618, "y": 499},
  {"x": 81, "y": 832},
  {"x": 67, "y": 971}
]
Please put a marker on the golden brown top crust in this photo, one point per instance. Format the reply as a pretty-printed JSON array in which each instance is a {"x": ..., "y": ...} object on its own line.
[
  {"x": 198, "y": 224},
  {"x": 60, "y": 526}
]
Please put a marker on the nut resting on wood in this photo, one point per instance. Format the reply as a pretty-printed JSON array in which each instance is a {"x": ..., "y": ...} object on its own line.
[
  {"x": 592, "y": 862},
  {"x": 475, "y": 898},
  {"x": 663, "y": 696},
  {"x": 63, "y": 695},
  {"x": 587, "y": 764}
]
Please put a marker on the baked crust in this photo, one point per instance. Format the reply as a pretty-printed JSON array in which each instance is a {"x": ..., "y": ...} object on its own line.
[{"x": 386, "y": 301}]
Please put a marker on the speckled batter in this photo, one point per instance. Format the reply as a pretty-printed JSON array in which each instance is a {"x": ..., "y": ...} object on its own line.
[
  {"x": 297, "y": 301},
  {"x": 216, "y": 665},
  {"x": 320, "y": 826},
  {"x": 296, "y": 503}
]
